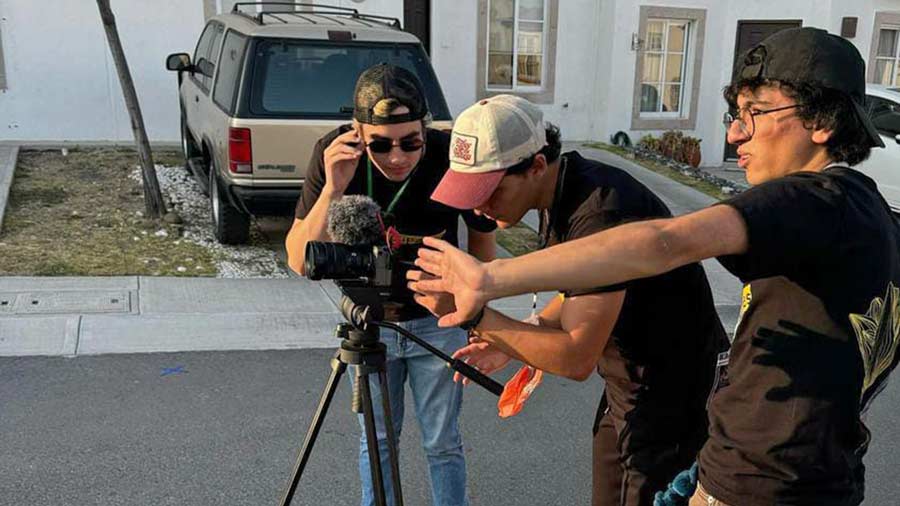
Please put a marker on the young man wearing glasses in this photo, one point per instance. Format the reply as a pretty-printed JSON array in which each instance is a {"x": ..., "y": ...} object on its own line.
[
  {"x": 656, "y": 341},
  {"x": 390, "y": 155},
  {"x": 818, "y": 250}
]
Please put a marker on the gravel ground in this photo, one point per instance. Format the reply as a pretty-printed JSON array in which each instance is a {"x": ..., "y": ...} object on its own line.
[{"x": 183, "y": 195}]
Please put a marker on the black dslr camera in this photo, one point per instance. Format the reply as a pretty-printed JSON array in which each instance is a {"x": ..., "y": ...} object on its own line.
[{"x": 359, "y": 257}]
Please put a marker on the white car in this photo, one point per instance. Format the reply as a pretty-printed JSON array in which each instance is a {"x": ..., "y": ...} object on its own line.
[{"x": 883, "y": 165}]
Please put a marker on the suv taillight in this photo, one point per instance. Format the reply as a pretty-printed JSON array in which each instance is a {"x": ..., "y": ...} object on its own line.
[{"x": 240, "y": 156}]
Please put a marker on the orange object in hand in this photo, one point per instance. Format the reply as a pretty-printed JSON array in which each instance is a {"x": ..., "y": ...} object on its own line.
[{"x": 518, "y": 389}]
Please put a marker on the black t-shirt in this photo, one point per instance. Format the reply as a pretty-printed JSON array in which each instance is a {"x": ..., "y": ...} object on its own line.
[
  {"x": 414, "y": 215},
  {"x": 659, "y": 366},
  {"x": 821, "y": 276}
]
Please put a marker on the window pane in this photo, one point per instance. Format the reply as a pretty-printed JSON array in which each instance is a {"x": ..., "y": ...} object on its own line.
[
  {"x": 654, "y": 39},
  {"x": 883, "y": 71},
  {"x": 529, "y": 71},
  {"x": 672, "y": 98},
  {"x": 500, "y": 44},
  {"x": 676, "y": 38},
  {"x": 887, "y": 43},
  {"x": 501, "y": 29},
  {"x": 316, "y": 79},
  {"x": 531, "y": 10},
  {"x": 229, "y": 69},
  {"x": 649, "y": 98},
  {"x": 500, "y": 70},
  {"x": 673, "y": 67},
  {"x": 203, "y": 46},
  {"x": 531, "y": 38},
  {"x": 652, "y": 66}
]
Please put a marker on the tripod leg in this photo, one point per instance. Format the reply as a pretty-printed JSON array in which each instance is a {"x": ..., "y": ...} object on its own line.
[
  {"x": 337, "y": 369},
  {"x": 372, "y": 438},
  {"x": 391, "y": 438}
]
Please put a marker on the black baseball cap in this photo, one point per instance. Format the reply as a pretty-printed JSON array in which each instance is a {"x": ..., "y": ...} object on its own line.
[
  {"x": 385, "y": 81},
  {"x": 815, "y": 56}
]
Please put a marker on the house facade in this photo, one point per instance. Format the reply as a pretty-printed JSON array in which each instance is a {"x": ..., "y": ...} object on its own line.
[{"x": 596, "y": 67}]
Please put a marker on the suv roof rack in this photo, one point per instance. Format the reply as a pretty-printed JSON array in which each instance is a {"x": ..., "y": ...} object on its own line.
[{"x": 329, "y": 10}]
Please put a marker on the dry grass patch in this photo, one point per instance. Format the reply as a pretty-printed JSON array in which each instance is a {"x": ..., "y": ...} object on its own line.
[{"x": 81, "y": 215}]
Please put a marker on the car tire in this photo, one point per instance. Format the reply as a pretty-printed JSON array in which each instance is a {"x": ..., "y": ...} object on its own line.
[
  {"x": 230, "y": 225},
  {"x": 188, "y": 146}
]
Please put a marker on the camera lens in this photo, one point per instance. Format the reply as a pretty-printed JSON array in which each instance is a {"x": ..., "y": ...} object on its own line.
[{"x": 329, "y": 260}]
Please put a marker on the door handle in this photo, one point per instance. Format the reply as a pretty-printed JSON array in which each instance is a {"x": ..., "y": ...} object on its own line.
[{"x": 196, "y": 98}]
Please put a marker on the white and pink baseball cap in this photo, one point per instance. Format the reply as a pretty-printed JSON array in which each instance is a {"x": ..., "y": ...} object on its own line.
[{"x": 489, "y": 137}]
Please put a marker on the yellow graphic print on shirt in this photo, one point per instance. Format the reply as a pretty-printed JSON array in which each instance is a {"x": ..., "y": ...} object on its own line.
[
  {"x": 878, "y": 334},
  {"x": 746, "y": 298}
]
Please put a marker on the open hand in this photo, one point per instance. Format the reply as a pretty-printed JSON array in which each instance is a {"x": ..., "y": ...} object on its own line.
[
  {"x": 439, "y": 303},
  {"x": 454, "y": 272}
]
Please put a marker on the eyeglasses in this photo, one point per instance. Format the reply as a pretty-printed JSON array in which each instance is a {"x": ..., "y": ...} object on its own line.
[
  {"x": 746, "y": 118},
  {"x": 381, "y": 145}
]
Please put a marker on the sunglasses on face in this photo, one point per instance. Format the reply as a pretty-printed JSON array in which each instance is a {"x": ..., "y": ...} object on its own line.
[{"x": 382, "y": 145}]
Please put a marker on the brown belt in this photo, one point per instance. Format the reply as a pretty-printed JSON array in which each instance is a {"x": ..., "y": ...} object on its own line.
[{"x": 702, "y": 498}]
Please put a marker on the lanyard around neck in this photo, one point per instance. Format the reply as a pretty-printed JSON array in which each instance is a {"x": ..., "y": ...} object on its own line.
[
  {"x": 553, "y": 213},
  {"x": 397, "y": 195}
]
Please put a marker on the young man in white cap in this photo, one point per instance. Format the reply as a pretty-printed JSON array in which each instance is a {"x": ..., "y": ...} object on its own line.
[
  {"x": 818, "y": 250},
  {"x": 655, "y": 341},
  {"x": 390, "y": 155}
]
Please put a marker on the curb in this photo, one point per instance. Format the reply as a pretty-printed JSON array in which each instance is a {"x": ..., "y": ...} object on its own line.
[{"x": 7, "y": 170}]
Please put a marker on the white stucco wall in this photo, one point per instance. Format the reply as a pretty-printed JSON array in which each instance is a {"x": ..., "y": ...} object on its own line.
[{"x": 62, "y": 83}]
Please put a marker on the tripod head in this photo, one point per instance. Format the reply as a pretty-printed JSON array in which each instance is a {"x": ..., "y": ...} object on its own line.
[{"x": 363, "y": 311}]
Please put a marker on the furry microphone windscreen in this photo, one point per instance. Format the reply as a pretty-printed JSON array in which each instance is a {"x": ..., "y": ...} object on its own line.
[{"x": 354, "y": 220}]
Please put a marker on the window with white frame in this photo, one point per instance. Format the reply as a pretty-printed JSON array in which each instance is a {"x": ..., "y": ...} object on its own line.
[
  {"x": 664, "y": 69},
  {"x": 516, "y": 45},
  {"x": 887, "y": 56}
]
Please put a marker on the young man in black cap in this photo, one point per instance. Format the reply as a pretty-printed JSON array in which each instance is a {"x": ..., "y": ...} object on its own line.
[
  {"x": 818, "y": 250},
  {"x": 390, "y": 155},
  {"x": 651, "y": 420}
]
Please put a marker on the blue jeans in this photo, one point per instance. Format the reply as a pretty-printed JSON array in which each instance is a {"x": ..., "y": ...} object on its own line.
[{"x": 437, "y": 402}]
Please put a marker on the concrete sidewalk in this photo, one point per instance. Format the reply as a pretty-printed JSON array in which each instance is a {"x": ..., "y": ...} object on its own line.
[{"x": 95, "y": 315}]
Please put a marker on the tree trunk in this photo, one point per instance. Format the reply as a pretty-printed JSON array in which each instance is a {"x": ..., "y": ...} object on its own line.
[{"x": 153, "y": 199}]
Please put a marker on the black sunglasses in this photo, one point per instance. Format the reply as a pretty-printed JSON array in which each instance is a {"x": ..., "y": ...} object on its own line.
[{"x": 386, "y": 145}]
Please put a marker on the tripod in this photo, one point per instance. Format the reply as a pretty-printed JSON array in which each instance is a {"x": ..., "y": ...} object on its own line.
[{"x": 360, "y": 347}]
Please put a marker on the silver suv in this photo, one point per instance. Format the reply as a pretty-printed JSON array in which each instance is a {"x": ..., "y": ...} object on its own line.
[{"x": 265, "y": 85}]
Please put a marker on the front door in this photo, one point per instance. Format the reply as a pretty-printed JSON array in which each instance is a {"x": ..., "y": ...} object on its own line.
[
  {"x": 749, "y": 34},
  {"x": 417, "y": 21}
]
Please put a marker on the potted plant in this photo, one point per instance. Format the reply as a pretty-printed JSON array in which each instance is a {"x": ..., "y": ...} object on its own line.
[{"x": 691, "y": 151}]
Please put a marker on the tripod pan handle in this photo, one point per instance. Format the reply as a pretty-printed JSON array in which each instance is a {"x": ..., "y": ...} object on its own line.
[{"x": 476, "y": 376}]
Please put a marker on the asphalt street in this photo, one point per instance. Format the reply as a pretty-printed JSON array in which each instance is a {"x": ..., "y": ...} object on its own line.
[{"x": 224, "y": 428}]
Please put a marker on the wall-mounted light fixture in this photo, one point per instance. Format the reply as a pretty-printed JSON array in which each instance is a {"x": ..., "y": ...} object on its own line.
[{"x": 636, "y": 42}]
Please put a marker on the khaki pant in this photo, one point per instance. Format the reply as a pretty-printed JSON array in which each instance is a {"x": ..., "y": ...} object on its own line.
[{"x": 702, "y": 498}]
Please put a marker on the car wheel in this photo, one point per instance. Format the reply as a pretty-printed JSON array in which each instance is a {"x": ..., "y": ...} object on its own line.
[
  {"x": 230, "y": 225},
  {"x": 188, "y": 147}
]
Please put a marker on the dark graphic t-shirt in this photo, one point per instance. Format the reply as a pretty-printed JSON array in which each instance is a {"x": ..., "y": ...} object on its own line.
[
  {"x": 659, "y": 365},
  {"x": 415, "y": 215},
  {"x": 816, "y": 339}
]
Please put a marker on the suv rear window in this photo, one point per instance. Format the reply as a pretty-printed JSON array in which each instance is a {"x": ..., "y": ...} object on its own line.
[{"x": 316, "y": 79}]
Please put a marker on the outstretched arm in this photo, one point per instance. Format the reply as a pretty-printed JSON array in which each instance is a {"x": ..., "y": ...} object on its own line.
[{"x": 620, "y": 254}]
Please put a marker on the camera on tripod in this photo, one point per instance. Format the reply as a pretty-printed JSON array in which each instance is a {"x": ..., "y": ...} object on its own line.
[
  {"x": 369, "y": 272},
  {"x": 360, "y": 256}
]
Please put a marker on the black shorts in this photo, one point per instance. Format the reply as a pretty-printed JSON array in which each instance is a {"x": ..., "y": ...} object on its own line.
[{"x": 634, "y": 459}]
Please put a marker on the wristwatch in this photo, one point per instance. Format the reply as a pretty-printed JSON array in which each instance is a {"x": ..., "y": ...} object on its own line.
[{"x": 469, "y": 325}]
